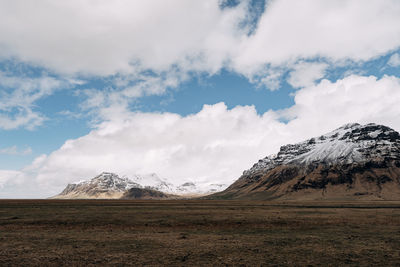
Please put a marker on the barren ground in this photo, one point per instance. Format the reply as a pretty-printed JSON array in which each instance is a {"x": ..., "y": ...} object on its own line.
[{"x": 198, "y": 233}]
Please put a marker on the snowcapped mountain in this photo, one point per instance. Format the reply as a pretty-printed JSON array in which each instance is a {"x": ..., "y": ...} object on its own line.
[
  {"x": 187, "y": 188},
  {"x": 347, "y": 144},
  {"x": 154, "y": 182},
  {"x": 110, "y": 185},
  {"x": 353, "y": 160},
  {"x": 192, "y": 188},
  {"x": 105, "y": 185}
]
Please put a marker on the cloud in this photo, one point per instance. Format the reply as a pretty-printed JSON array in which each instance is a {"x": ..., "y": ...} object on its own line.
[
  {"x": 6, "y": 175},
  {"x": 204, "y": 147},
  {"x": 394, "y": 60},
  {"x": 149, "y": 47},
  {"x": 24, "y": 118},
  {"x": 105, "y": 103},
  {"x": 134, "y": 38},
  {"x": 270, "y": 78},
  {"x": 104, "y": 38},
  {"x": 216, "y": 144},
  {"x": 338, "y": 30},
  {"x": 306, "y": 73},
  {"x": 18, "y": 96},
  {"x": 362, "y": 99},
  {"x": 13, "y": 150}
]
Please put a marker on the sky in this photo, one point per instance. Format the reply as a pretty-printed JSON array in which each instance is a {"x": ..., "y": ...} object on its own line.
[{"x": 190, "y": 90}]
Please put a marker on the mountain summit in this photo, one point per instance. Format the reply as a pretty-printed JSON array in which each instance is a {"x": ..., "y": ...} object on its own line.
[
  {"x": 110, "y": 186},
  {"x": 105, "y": 185},
  {"x": 353, "y": 161}
]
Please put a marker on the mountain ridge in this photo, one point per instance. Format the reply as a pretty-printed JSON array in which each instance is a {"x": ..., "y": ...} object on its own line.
[
  {"x": 353, "y": 161},
  {"x": 105, "y": 185},
  {"x": 109, "y": 185}
]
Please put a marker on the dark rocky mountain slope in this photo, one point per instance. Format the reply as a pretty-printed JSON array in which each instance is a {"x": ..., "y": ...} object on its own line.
[{"x": 145, "y": 193}]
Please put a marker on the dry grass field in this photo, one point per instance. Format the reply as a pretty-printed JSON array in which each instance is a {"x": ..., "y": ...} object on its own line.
[{"x": 198, "y": 233}]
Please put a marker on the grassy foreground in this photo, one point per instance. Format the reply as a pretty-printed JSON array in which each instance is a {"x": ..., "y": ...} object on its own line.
[{"x": 198, "y": 233}]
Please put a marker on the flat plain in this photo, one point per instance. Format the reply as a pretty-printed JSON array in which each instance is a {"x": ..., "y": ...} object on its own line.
[{"x": 198, "y": 233}]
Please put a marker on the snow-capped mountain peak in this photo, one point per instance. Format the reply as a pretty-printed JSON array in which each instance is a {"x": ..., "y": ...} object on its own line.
[
  {"x": 104, "y": 185},
  {"x": 350, "y": 143},
  {"x": 110, "y": 181},
  {"x": 154, "y": 182},
  {"x": 350, "y": 163}
]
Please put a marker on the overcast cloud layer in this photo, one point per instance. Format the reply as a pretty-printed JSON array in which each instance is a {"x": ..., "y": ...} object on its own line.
[
  {"x": 148, "y": 47},
  {"x": 107, "y": 37}
]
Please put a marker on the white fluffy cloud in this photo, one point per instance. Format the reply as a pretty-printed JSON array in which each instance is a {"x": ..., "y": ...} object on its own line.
[
  {"x": 145, "y": 47},
  {"x": 206, "y": 146},
  {"x": 306, "y": 73},
  {"x": 105, "y": 37},
  {"x": 127, "y": 37},
  {"x": 336, "y": 30},
  {"x": 215, "y": 144},
  {"x": 352, "y": 99},
  {"x": 394, "y": 60}
]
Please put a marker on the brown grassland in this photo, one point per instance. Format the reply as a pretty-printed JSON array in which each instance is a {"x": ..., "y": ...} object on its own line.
[{"x": 198, "y": 233}]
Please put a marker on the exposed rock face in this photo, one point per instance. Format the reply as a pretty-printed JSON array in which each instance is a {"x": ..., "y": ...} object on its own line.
[
  {"x": 107, "y": 186},
  {"x": 353, "y": 162}
]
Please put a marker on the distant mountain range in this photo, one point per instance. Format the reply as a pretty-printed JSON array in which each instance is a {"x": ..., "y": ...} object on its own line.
[
  {"x": 111, "y": 186},
  {"x": 352, "y": 162}
]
